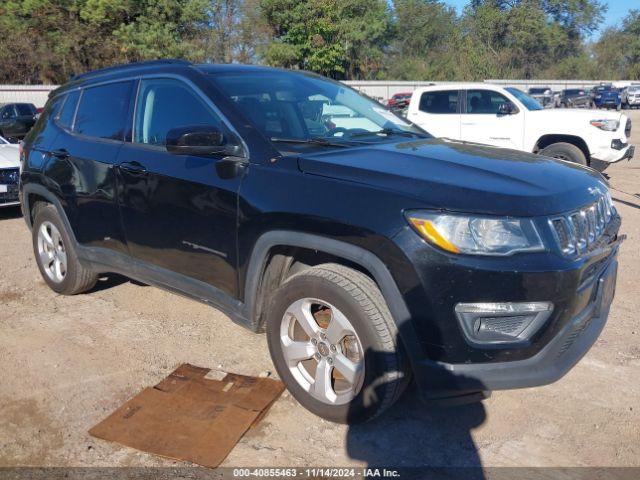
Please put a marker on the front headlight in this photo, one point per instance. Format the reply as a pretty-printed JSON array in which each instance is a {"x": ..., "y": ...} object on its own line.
[
  {"x": 608, "y": 125},
  {"x": 476, "y": 235}
]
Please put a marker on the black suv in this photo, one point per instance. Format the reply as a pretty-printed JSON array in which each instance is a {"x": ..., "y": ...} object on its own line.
[
  {"x": 369, "y": 251},
  {"x": 16, "y": 119},
  {"x": 574, "y": 98}
]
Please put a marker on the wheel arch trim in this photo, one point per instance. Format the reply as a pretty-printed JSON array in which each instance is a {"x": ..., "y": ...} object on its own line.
[
  {"x": 575, "y": 140},
  {"x": 353, "y": 253},
  {"x": 40, "y": 190}
]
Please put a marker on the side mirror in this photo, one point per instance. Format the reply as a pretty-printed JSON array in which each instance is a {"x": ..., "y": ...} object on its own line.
[
  {"x": 199, "y": 140},
  {"x": 506, "y": 108}
]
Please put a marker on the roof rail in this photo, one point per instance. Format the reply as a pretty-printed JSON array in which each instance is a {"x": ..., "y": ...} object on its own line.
[{"x": 126, "y": 66}]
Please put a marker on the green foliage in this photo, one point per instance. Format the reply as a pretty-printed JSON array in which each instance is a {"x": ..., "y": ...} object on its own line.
[
  {"x": 50, "y": 40},
  {"x": 333, "y": 37}
]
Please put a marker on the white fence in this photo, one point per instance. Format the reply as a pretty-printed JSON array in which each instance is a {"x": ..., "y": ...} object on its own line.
[
  {"x": 36, "y": 94},
  {"x": 383, "y": 89}
]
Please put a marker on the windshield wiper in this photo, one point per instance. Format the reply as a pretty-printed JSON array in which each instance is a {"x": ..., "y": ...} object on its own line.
[
  {"x": 387, "y": 132},
  {"x": 310, "y": 141}
]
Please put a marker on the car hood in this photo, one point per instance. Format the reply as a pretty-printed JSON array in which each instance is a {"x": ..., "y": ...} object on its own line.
[
  {"x": 464, "y": 177},
  {"x": 561, "y": 116},
  {"x": 9, "y": 156}
]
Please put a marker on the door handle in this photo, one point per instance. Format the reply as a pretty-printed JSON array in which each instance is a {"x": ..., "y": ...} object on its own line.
[
  {"x": 132, "y": 167},
  {"x": 60, "y": 153}
]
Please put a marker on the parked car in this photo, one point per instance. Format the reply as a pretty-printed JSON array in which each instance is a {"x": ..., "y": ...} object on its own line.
[
  {"x": 543, "y": 95},
  {"x": 369, "y": 254},
  {"x": 607, "y": 97},
  {"x": 508, "y": 117},
  {"x": 9, "y": 173},
  {"x": 16, "y": 119},
  {"x": 574, "y": 98},
  {"x": 399, "y": 101},
  {"x": 630, "y": 96}
]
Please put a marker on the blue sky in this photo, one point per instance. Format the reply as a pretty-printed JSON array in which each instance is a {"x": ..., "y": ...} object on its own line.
[{"x": 616, "y": 12}]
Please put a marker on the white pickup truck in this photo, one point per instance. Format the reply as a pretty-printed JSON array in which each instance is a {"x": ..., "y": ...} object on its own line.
[{"x": 508, "y": 117}]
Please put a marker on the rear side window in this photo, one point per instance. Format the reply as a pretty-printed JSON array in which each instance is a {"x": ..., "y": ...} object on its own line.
[
  {"x": 442, "y": 102},
  {"x": 25, "y": 109},
  {"x": 103, "y": 111},
  {"x": 65, "y": 117},
  {"x": 484, "y": 101}
]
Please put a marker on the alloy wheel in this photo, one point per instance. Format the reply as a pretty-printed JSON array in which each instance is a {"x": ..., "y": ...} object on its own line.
[
  {"x": 322, "y": 351},
  {"x": 52, "y": 252}
]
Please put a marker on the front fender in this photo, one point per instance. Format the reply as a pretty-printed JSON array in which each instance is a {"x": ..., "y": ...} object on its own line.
[{"x": 347, "y": 251}]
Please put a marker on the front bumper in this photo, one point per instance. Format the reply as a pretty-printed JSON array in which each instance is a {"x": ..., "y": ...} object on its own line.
[
  {"x": 9, "y": 197},
  {"x": 607, "y": 103},
  {"x": 614, "y": 156},
  {"x": 441, "y": 380}
]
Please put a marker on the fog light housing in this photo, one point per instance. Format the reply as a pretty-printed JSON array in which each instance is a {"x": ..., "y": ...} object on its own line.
[
  {"x": 618, "y": 144},
  {"x": 495, "y": 325}
]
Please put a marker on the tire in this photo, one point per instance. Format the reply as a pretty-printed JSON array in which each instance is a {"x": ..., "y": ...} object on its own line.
[
  {"x": 564, "y": 151},
  {"x": 354, "y": 298},
  {"x": 65, "y": 274}
]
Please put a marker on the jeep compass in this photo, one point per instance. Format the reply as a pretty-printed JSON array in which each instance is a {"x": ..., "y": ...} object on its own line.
[{"x": 368, "y": 251}]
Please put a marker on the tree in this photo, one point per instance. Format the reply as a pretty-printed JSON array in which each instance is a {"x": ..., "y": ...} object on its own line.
[
  {"x": 333, "y": 37},
  {"x": 424, "y": 45},
  {"x": 50, "y": 40},
  {"x": 617, "y": 52}
]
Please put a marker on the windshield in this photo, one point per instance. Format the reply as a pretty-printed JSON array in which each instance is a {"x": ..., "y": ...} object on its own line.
[
  {"x": 528, "y": 102},
  {"x": 537, "y": 91},
  {"x": 297, "y": 108}
]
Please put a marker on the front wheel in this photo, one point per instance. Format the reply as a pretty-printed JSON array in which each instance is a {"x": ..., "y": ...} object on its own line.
[
  {"x": 564, "y": 151},
  {"x": 335, "y": 345}
]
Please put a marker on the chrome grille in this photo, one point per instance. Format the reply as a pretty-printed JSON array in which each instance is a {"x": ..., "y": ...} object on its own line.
[{"x": 576, "y": 231}]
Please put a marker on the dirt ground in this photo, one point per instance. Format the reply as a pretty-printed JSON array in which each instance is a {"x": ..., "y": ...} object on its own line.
[{"x": 67, "y": 362}]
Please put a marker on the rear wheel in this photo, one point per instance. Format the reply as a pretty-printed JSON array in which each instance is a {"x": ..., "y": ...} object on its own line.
[
  {"x": 564, "y": 151},
  {"x": 56, "y": 256},
  {"x": 335, "y": 345}
]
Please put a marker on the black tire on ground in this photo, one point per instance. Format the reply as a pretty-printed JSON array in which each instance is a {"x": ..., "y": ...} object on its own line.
[
  {"x": 78, "y": 278},
  {"x": 386, "y": 370},
  {"x": 564, "y": 151}
]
